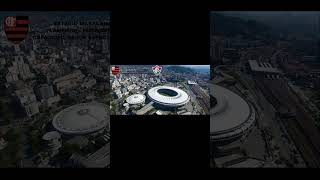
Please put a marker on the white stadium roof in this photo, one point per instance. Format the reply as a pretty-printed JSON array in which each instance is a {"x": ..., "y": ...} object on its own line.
[
  {"x": 231, "y": 116},
  {"x": 136, "y": 99},
  {"x": 82, "y": 118},
  {"x": 178, "y": 99}
]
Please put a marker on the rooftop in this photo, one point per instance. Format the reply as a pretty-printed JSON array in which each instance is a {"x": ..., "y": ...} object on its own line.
[
  {"x": 136, "y": 99},
  {"x": 262, "y": 67},
  {"x": 82, "y": 118},
  {"x": 230, "y": 112}
]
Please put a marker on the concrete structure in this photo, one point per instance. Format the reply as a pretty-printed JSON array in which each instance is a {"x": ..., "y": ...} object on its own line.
[
  {"x": 262, "y": 67},
  {"x": 45, "y": 91},
  {"x": 191, "y": 82},
  {"x": 168, "y": 96},
  {"x": 53, "y": 141},
  {"x": 136, "y": 99},
  {"x": 82, "y": 118},
  {"x": 80, "y": 141},
  {"x": 65, "y": 83},
  {"x": 145, "y": 109},
  {"x": 12, "y": 75},
  {"x": 74, "y": 54},
  {"x": 203, "y": 97},
  {"x": 53, "y": 100},
  {"x": 32, "y": 108},
  {"x": 99, "y": 159},
  {"x": 18, "y": 70},
  {"x": 231, "y": 115},
  {"x": 88, "y": 83},
  {"x": 28, "y": 101}
]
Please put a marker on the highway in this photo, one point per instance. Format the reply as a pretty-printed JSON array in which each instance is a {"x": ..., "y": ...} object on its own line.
[
  {"x": 300, "y": 128},
  {"x": 267, "y": 117}
]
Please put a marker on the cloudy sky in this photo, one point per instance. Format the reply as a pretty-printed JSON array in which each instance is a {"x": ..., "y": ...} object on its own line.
[{"x": 196, "y": 66}]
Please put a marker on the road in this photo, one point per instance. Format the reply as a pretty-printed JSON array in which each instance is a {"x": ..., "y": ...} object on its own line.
[{"x": 267, "y": 118}]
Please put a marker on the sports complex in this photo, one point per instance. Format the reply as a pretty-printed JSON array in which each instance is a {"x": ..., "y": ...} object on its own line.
[
  {"x": 136, "y": 99},
  {"x": 231, "y": 115},
  {"x": 84, "y": 118},
  {"x": 168, "y": 96}
]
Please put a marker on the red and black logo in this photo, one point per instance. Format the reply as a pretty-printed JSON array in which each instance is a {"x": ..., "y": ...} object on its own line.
[
  {"x": 115, "y": 70},
  {"x": 16, "y": 28}
]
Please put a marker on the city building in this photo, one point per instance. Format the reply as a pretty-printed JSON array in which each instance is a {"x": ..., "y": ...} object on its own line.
[
  {"x": 32, "y": 108},
  {"x": 262, "y": 67},
  {"x": 88, "y": 83},
  {"x": 44, "y": 91},
  {"x": 53, "y": 100},
  {"x": 53, "y": 142},
  {"x": 98, "y": 159},
  {"x": 74, "y": 54},
  {"x": 70, "y": 81},
  {"x": 191, "y": 82},
  {"x": 22, "y": 68},
  {"x": 28, "y": 101},
  {"x": 12, "y": 75},
  {"x": 18, "y": 70}
]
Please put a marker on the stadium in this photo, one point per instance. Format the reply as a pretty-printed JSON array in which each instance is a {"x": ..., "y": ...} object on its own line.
[
  {"x": 82, "y": 118},
  {"x": 167, "y": 96},
  {"x": 231, "y": 115},
  {"x": 136, "y": 99}
]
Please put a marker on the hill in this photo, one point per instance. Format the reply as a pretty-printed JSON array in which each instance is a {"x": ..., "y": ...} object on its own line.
[
  {"x": 179, "y": 69},
  {"x": 233, "y": 26},
  {"x": 299, "y": 23}
]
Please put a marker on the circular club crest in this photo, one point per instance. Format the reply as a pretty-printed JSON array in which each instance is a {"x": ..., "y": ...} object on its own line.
[
  {"x": 10, "y": 21},
  {"x": 157, "y": 70}
]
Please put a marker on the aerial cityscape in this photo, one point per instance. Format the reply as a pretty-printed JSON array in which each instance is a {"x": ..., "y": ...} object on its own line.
[
  {"x": 264, "y": 90},
  {"x": 260, "y": 91},
  {"x": 55, "y": 89},
  {"x": 160, "y": 90}
]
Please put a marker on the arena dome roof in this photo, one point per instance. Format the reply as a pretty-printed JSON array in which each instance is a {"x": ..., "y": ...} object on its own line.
[
  {"x": 136, "y": 99},
  {"x": 82, "y": 118}
]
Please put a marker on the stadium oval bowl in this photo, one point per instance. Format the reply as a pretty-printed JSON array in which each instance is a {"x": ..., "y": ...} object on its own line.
[
  {"x": 84, "y": 118},
  {"x": 168, "y": 96},
  {"x": 231, "y": 116}
]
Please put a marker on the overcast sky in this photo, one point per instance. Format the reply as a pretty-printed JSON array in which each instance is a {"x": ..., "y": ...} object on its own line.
[{"x": 196, "y": 66}]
